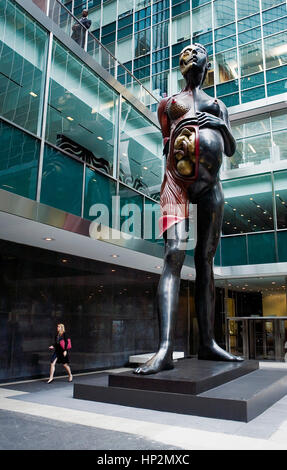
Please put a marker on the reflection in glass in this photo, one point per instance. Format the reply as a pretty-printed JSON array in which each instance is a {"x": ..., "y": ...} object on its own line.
[
  {"x": 246, "y": 8},
  {"x": 160, "y": 36},
  {"x": 251, "y": 60},
  {"x": 226, "y": 66},
  {"x": 141, "y": 162},
  {"x": 248, "y": 205},
  {"x": 131, "y": 212},
  {"x": 23, "y": 47},
  {"x": 99, "y": 190},
  {"x": 280, "y": 188},
  {"x": 82, "y": 111},
  {"x": 275, "y": 50},
  {"x": 181, "y": 27},
  {"x": 224, "y": 12},
  {"x": 202, "y": 20},
  {"x": 19, "y": 154},
  {"x": 142, "y": 42},
  {"x": 62, "y": 182}
]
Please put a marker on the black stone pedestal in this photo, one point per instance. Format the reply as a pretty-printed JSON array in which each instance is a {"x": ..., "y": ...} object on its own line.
[{"x": 236, "y": 390}]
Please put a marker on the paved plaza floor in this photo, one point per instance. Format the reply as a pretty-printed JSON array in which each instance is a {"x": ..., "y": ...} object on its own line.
[{"x": 35, "y": 415}]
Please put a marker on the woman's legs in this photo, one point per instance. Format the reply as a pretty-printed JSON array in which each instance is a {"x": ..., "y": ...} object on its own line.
[
  {"x": 167, "y": 298},
  {"x": 68, "y": 369},
  {"x": 52, "y": 370}
]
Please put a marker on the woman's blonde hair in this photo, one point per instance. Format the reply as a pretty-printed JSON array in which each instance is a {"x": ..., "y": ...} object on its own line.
[{"x": 62, "y": 328}]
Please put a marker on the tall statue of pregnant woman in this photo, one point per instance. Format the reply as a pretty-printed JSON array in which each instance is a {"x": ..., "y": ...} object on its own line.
[{"x": 196, "y": 133}]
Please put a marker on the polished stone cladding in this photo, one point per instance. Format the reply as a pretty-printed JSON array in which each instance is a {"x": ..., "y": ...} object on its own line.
[{"x": 109, "y": 312}]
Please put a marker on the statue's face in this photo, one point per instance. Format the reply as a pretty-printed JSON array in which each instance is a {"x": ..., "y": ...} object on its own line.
[{"x": 193, "y": 56}]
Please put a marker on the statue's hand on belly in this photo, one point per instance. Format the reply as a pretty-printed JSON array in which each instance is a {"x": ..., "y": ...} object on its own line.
[{"x": 209, "y": 120}]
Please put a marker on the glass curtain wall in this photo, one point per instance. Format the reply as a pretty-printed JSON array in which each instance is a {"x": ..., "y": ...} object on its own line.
[
  {"x": 261, "y": 142},
  {"x": 79, "y": 138}
]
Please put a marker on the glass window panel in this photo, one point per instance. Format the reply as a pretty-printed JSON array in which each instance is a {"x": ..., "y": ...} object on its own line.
[
  {"x": 125, "y": 6},
  {"x": 248, "y": 205},
  {"x": 181, "y": 8},
  {"x": 261, "y": 248},
  {"x": 252, "y": 126},
  {"x": 274, "y": 27},
  {"x": 19, "y": 155},
  {"x": 274, "y": 13},
  {"x": 22, "y": 63},
  {"x": 222, "y": 33},
  {"x": 280, "y": 144},
  {"x": 228, "y": 87},
  {"x": 230, "y": 100},
  {"x": 247, "y": 8},
  {"x": 142, "y": 42},
  {"x": 209, "y": 79},
  {"x": 282, "y": 246},
  {"x": 251, "y": 60},
  {"x": 82, "y": 111},
  {"x": 249, "y": 36},
  {"x": 227, "y": 43},
  {"x": 252, "y": 80},
  {"x": 253, "y": 94},
  {"x": 224, "y": 12},
  {"x": 109, "y": 12},
  {"x": 124, "y": 50},
  {"x": 160, "y": 84},
  {"x": 202, "y": 20},
  {"x": 160, "y": 35},
  {"x": 62, "y": 182},
  {"x": 99, "y": 190},
  {"x": 131, "y": 212},
  {"x": 181, "y": 27},
  {"x": 280, "y": 188},
  {"x": 269, "y": 3},
  {"x": 276, "y": 74},
  {"x": 141, "y": 162},
  {"x": 248, "y": 23},
  {"x": 251, "y": 152},
  {"x": 226, "y": 66},
  {"x": 276, "y": 88},
  {"x": 279, "y": 120},
  {"x": 275, "y": 50},
  {"x": 233, "y": 251}
]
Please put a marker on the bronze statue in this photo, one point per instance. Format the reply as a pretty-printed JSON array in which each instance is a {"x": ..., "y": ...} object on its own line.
[{"x": 196, "y": 132}]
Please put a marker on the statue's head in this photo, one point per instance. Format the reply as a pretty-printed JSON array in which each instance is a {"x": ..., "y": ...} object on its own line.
[{"x": 194, "y": 59}]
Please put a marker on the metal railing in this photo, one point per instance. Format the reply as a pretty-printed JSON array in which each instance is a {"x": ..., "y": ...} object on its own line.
[{"x": 71, "y": 25}]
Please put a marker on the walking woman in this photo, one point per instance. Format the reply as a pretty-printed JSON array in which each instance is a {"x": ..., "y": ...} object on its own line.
[{"x": 60, "y": 354}]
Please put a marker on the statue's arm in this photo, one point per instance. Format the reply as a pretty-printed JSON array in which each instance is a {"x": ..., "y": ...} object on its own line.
[
  {"x": 222, "y": 124},
  {"x": 164, "y": 122}
]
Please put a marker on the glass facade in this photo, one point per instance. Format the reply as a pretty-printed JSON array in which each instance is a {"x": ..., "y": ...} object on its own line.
[
  {"x": 73, "y": 143},
  {"x": 246, "y": 42}
]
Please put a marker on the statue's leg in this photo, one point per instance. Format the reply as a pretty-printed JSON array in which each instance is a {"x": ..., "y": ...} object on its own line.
[
  {"x": 167, "y": 298},
  {"x": 209, "y": 222}
]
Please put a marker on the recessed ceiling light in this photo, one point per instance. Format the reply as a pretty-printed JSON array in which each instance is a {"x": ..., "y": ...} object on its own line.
[
  {"x": 64, "y": 260},
  {"x": 145, "y": 168},
  {"x": 190, "y": 275},
  {"x": 113, "y": 270},
  {"x": 251, "y": 198},
  {"x": 70, "y": 118},
  {"x": 48, "y": 239},
  {"x": 100, "y": 138},
  {"x": 33, "y": 94},
  {"x": 158, "y": 267},
  {"x": 115, "y": 256}
]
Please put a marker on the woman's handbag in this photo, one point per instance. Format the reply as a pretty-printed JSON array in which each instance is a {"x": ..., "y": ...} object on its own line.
[{"x": 69, "y": 343}]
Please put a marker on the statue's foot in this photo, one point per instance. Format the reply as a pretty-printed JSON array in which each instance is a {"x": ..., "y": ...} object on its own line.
[
  {"x": 214, "y": 352},
  {"x": 160, "y": 361}
]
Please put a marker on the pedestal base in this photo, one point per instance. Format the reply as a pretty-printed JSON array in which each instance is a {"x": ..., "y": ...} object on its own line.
[{"x": 235, "y": 391}]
